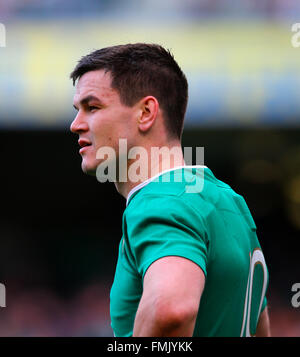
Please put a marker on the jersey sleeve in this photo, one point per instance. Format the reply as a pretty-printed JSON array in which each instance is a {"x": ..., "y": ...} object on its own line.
[{"x": 166, "y": 226}]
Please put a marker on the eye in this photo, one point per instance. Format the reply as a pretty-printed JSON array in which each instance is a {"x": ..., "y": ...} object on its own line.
[{"x": 92, "y": 108}]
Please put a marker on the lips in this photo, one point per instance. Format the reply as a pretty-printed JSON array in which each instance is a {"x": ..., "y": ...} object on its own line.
[{"x": 84, "y": 144}]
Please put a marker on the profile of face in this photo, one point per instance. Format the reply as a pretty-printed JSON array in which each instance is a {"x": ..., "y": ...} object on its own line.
[{"x": 101, "y": 118}]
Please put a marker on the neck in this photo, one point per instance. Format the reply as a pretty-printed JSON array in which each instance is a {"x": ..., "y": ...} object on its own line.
[{"x": 149, "y": 162}]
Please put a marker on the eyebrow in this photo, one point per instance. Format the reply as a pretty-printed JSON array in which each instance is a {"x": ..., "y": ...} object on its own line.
[{"x": 87, "y": 99}]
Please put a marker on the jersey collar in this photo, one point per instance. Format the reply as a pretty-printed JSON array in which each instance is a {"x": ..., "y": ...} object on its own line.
[{"x": 143, "y": 184}]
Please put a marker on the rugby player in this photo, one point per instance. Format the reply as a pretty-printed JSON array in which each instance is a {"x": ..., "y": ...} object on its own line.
[{"x": 189, "y": 263}]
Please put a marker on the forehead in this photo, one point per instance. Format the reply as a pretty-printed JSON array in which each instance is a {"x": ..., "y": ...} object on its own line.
[{"x": 97, "y": 83}]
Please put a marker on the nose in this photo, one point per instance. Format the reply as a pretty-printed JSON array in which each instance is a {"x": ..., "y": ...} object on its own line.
[{"x": 78, "y": 125}]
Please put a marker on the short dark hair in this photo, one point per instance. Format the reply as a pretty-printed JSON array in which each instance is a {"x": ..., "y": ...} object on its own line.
[{"x": 141, "y": 69}]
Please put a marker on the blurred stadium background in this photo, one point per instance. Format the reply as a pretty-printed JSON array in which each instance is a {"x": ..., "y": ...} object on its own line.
[{"x": 60, "y": 229}]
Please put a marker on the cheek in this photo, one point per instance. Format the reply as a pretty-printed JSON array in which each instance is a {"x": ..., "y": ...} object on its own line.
[
  {"x": 101, "y": 126},
  {"x": 106, "y": 128}
]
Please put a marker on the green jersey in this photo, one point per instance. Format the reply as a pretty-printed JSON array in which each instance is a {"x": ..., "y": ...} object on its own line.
[{"x": 187, "y": 212}]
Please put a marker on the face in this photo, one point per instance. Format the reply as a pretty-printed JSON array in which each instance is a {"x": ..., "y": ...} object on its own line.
[{"x": 101, "y": 118}]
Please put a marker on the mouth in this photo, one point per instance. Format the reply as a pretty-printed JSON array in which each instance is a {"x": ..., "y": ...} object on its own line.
[{"x": 84, "y": 144}]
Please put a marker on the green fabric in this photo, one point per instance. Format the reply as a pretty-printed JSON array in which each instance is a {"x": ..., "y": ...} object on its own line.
[{"x": 214, "y": 229}]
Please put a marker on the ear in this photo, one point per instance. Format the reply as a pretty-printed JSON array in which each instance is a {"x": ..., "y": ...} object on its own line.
[{"x": 148, "y": 113}]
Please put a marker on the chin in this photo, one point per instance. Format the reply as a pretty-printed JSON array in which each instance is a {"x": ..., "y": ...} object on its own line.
[{"x": 88, "y": 169}]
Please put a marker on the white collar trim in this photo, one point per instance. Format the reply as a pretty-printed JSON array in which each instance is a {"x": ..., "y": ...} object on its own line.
[{"x": 142, "y": 184}]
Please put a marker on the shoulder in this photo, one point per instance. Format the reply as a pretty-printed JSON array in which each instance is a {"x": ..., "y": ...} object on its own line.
[
  {"x": 186, "y": 195},
  {"x": 194, "y": 197},
  {"x": 189, "y": 187}
]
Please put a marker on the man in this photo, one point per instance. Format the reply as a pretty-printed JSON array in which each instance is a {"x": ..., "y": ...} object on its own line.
[{"x": 189, "y": 263}]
